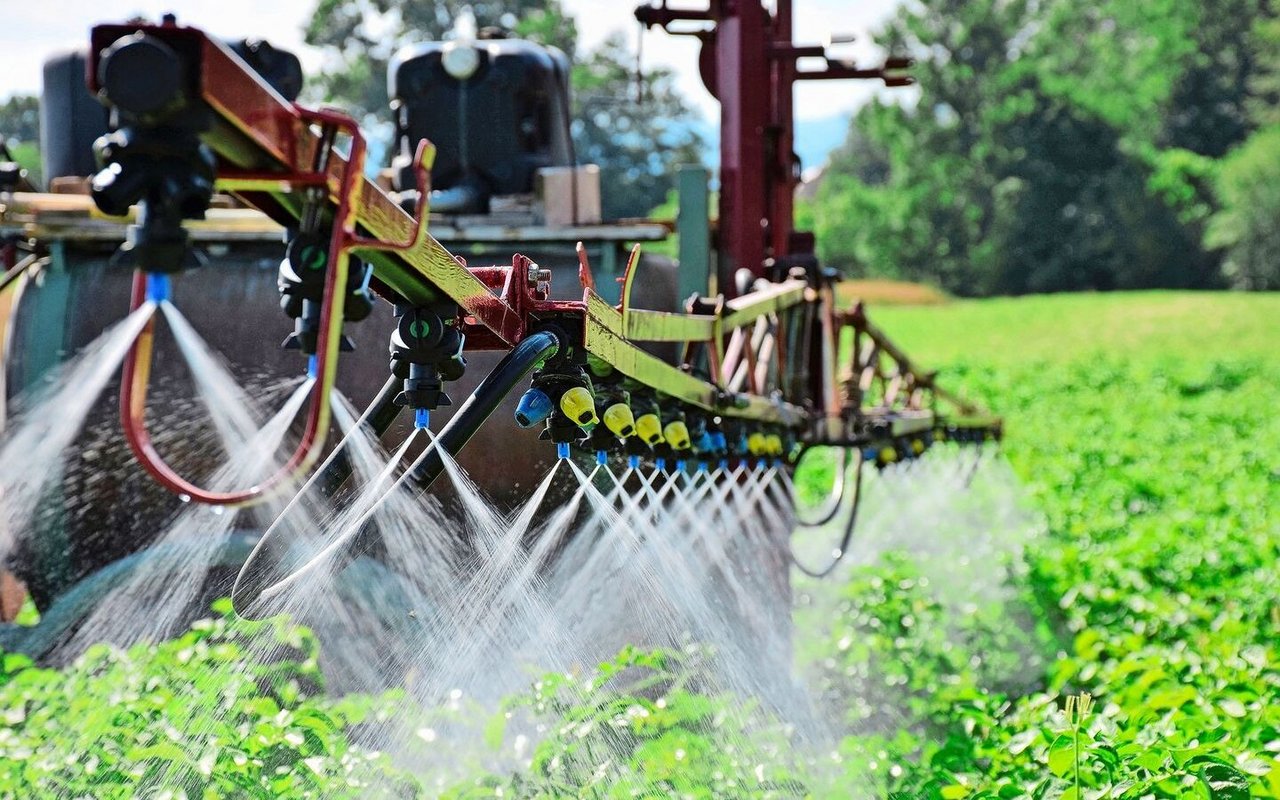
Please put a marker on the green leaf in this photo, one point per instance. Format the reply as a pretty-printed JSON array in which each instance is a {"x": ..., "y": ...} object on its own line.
[
  {"x": 1062, "y": 755},
  {"x": 1175, "y": 697},
  {"x": 1224, "y": 782}
]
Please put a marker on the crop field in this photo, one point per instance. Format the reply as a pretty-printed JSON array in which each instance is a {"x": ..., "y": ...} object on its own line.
[
  {"x": 1144, "y": 427},
  {"x": 1139, "y": 658}
]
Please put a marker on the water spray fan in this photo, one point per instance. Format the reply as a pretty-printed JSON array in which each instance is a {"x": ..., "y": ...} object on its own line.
[{"x": 762, "y": 375}]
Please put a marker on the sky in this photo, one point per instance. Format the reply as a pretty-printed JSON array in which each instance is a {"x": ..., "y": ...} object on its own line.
[{"x": 37, "y": 29}]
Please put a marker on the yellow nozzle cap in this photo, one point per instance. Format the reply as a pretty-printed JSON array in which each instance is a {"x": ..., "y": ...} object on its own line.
[
  {"x": 676, "y": 434},
  {"x": 756, "y": 444},
  {"x": 773, "y": 442},
  {"x": 578, "y": 405},
  {"x": 649, "y": 428},
  {"x": 888, "y": 455},
  {"x": 917, "y": 446},
  {"x": 619, "y": 420}
]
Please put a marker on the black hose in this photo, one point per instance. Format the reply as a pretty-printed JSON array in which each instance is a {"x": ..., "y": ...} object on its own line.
[
  {"x": 256, "y": 579},
  {"x": 381, "y": 413},
  {"x": 835, "y": 500},
  {"x": 845, "y": 538},
  {"x": 510, "y": 373}
]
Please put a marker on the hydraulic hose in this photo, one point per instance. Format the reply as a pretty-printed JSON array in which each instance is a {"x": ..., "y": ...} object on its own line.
[
  {"x": 845, "y": 538},
  {"x": 835, "y": 499},
  {"x": 259, "y": 579}
]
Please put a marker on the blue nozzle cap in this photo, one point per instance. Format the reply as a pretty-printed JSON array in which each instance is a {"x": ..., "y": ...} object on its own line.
[
  {"x": 562, "y": 449},
  {"x": 602, "y": 457},
  {"x": 313, "y": 367},
  {"x": 705, "y": 443},
  {"x": 779, "y": 463},
  {"x": 719, "y": 441},
  {"x": 633, "y": 462},
  {"x": 702, "y": 466},
  {"x": 724, "y": 464},
  {"x": 680, "y": 465},
  {"x": 534, "y": 407},
  {"x": 157, "y": 287},
  {"x": 660, "y": 463},
  {"x": 422, "y": 418}
]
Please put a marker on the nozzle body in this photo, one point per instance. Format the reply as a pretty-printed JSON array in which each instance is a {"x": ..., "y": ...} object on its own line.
[
  {"x": 533, "y": 409},
  {"x": 578, "y": 405},
  {"x": 676, "y": 434},
  {"x": 619, "y": 420},
  {"x": 649, "y": 429}
]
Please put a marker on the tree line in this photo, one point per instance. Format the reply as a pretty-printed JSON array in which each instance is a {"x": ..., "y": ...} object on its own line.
[
  {"x": 1054, "y": 145},
  {"x": 1051, "y": 145}
]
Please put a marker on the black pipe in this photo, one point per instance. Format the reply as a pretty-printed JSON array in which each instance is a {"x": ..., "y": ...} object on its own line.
[
  {"x": 510, "y": 373},
  {"x": 382, "y": 412},
  {"x": 845, "y": 538},
  {"x": 256, "y": 579}
]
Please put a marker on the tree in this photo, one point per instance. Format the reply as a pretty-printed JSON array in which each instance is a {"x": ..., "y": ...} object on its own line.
[
  {"x": 20, "y": 118},
  {"x": 633, "y": 131},
  {"x": 1054, "y": 146},
  {"x": 1248, "y": 189}
]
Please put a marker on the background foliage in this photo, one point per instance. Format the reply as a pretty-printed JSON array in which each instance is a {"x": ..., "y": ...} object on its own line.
[{"x": 1064, "y": 146}]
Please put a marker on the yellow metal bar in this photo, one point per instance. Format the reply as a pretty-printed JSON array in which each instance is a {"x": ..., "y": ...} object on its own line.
[
  {"x": 742, "y": 310},
  {"x": 663, "y": 326},
  {"x": 602, "y": 337}
]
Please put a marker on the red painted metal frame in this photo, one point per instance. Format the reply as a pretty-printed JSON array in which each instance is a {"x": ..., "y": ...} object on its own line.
[
  {"x": 136, "y": 371},
  {"x": 747, "y": 48}
]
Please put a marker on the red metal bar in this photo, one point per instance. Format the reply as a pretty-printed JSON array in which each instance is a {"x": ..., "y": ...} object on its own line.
[{"x": 137, "y": 365}]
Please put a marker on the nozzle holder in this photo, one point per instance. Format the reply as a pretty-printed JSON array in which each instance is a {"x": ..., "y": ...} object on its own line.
[
  {"x": 169, "y": 173},
  {"x": 153, "y": 157},
  {"x": 425, "y": 351},
  {"x": 573, "y": 414}
]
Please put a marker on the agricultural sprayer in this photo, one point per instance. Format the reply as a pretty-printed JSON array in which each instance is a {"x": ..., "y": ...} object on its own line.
[{"x": 764, "y": 359}]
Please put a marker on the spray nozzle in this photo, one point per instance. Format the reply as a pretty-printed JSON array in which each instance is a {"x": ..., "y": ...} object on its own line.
[
  {"x": 534, "y": 408},
  {"x": 426, "y": 351},
  {"x": 158, "y": 287},
  {"x": 633, "y": 462},
  {"x": 619, "y": 420},
  {"x": 676, "y": 434},
  {"x": 602, "y": 457},
  {"x": 578, "y": 405},
  {"x": 562, "y": 449},
  {"x": 422, "y": 418},
  {"x": 773, "y": 444},
  {"x": 649, "y": 428}
]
